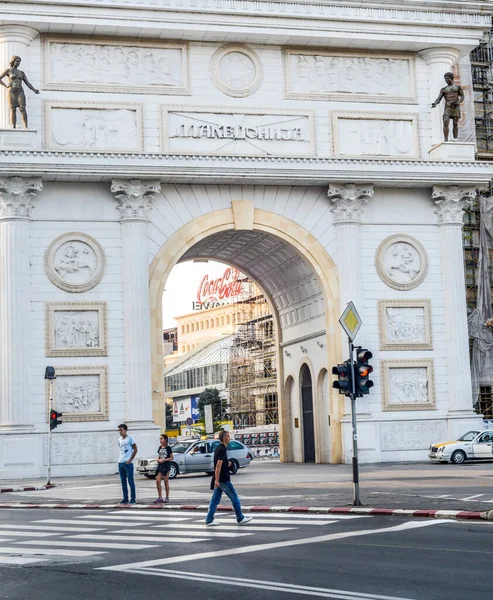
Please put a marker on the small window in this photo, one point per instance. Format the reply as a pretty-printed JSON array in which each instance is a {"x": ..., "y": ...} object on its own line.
[{"x": 234, "y": 446}]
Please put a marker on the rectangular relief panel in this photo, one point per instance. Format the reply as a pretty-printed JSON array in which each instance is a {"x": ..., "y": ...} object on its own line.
[
  {"x": 103, "y": 65},
  {"x": 408, "y": 384},
  {"x": 81, "y": 393},
  {"x": 375, "y": 134},
  {"x": 405, "y": 324},
  {"x": 349, "y": 76},
  {"x": 93, "y": 126},
  {"x": 251, "y": 132}
]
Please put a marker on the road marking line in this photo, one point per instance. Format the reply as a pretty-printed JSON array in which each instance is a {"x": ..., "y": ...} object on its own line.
[
  {"x": 273, "y": 545},
  {"x": 52, "y": 551},
  {"x": 26, "y": 534},
  {"x": 46, "y": 527},
  {"x": 90, "y": 522},
  {"x": 233, "y": 527},
  {"x": 266, "y": 585},
  {"x": 164, "y": 514},
  {"x": 134, "y": 517},
  {"x": 139, "y": 538},
  {"x": 19, "y": 560},
  {"x": 187, "y": 532},
  {"x": 282, "y": 522},
  {"x": 73, "y": 544},
  {"x": 472, "y": 497}
]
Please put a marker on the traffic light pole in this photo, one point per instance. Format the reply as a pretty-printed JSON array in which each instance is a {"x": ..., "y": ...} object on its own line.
[
  {"x": 50, "y": 408},
  {"x": 356, "y": 501}
]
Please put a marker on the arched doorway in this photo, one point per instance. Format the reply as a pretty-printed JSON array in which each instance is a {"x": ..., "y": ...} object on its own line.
[{"x": 307, "y": 415}]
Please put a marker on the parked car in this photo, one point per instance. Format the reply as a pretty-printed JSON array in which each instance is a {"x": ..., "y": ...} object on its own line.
[
  {"x": 197, "y": 456},
  {"x": 473, "y": 445}
]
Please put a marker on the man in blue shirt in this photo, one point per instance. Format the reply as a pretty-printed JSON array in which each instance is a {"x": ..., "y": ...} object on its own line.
[{"x": 128, "y": 451}]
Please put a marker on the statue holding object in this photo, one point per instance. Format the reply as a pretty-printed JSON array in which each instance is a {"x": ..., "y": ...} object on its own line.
[
  {"x": 454, "y": 95},
  {"x": 17, "y": 98}
]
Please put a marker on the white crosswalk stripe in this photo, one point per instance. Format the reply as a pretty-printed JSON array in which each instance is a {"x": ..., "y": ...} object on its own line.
[
  {"x": 19, "y": 560},
  {"x": 142, "y": 538},
  {"x": 73, "y": 544},
  {"x": 46, "y": 527}
]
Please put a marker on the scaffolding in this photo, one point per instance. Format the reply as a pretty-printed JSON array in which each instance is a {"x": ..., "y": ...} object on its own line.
[
  {"x": 252, "y": 380},
  {"x": 482, "y": 81}
]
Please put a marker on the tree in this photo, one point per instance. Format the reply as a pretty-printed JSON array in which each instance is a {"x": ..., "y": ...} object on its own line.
[{"x": 219, "y": 407}]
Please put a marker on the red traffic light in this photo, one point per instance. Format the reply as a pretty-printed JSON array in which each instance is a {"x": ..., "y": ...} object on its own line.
[{"x": 54, "y": 419}]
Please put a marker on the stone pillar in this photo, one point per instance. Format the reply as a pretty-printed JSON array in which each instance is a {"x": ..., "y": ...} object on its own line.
[
  {"x": 134, "y": 197},
  {"x": 16, "y": 194},
  {"x": 450, "y": 203},
  {"x": 14, "y": 41},
  {"x": 440, "y": 61}
]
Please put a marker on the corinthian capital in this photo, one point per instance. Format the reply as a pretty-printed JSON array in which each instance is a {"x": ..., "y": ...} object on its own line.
[
  {"x": 134, "y": 196},
  {"x": 347, "y": 201},
  {"x": 451, "y": 201},
  {"x": 16, "y": 194}
]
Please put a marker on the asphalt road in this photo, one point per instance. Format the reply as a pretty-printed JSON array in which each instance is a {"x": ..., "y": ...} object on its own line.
[
  {"x": 413, "y": 485},
  {"x": 66, "y": 554}
]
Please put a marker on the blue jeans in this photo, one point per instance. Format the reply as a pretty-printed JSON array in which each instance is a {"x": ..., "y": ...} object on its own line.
[
  {"x": 127, "y": 474},
  {"x": 230, "y": 492}
]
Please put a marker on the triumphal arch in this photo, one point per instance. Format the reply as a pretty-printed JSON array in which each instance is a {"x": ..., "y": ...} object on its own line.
[{"x": 294, "y": 140}]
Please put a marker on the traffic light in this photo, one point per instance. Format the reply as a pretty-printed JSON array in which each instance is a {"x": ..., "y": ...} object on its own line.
[
  {"x": 343, "y": 383},
  {"x": 362, "y": 372},
  {"x": 54, "y": 422}
]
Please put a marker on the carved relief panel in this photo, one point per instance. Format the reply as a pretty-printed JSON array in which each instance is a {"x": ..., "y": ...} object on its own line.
[
  {"x": 100, "y": 65},
  {"x": 76, "y": 329},
  {"x": 81, "y": 393},
  {"x": 415, "y": 435},
  {"x": 408, "y": 384},
  {"x": 373, "y": 134},
  {"x": 405, "y": 324},
  {"x": 75, "y": 262},
  {"x": 81, "y": 448},
  {"x": 236, "y": 70},
  {"x": 349, "y": 76},
  {"x": 251, "y": 132},
  {"x": 401, "y": 262},
  {"x": 93, "y": 127}
]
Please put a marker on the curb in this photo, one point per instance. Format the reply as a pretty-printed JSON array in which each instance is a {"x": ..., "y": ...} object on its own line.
[
  {"x": 30, "y": 488},
  {"x": 389, "y": 512}
]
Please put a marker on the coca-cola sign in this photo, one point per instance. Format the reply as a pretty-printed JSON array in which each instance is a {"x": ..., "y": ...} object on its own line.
[{"x": 226, "y": 288}]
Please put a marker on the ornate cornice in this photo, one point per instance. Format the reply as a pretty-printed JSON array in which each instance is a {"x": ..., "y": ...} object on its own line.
[
  {"x": 451, "y": 201},
  {"x": 347, "y": 201},
  {"x": 16, "y": 194},
  {"x": 134, "y": 196}
]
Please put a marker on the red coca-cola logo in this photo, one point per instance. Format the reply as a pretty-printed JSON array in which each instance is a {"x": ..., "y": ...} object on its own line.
[{"x": 223, "y": 288}]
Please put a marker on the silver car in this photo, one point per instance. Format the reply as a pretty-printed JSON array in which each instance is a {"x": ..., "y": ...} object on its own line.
[{"x": 198, "y": 456}]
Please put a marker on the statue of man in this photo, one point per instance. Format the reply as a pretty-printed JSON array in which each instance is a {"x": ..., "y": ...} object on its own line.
[
  {"x": 454, "y": 95},
  {"x": 17, "y": 98}
]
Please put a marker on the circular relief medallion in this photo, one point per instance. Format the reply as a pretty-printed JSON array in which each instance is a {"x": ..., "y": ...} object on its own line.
[
  {"x": 75, "y": 262},
  {"x": 236, "y": 70},
  {"x": 401, "y": 262}
]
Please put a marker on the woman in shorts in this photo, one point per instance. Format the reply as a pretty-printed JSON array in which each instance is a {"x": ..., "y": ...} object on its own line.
[{"x": 164, "y": 458}]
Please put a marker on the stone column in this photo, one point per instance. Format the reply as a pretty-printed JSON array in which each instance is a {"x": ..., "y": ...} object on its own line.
[
  {"x": 440, "y": 61},
  {"x": 14, "y": 41},
  {"x": 347, "y": 206},
  {"x": 450, "y": 203},
  {"x": 134, "y": 197},
  {"x": 16, "y": 194}
]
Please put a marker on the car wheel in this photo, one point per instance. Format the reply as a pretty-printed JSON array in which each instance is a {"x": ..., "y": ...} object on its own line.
[
  {"x": 150, "y": 476},
  {"x": 233, "y": 469},
  {"x": 173, "y": 470},
  {"x": 458, "y": 457}
]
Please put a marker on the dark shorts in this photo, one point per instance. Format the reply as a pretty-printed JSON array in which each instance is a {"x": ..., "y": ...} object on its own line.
[{"x": 163, "y": 468}]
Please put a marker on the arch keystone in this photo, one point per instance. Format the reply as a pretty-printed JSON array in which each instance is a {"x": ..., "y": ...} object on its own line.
[{"x": 243, "y": 212}]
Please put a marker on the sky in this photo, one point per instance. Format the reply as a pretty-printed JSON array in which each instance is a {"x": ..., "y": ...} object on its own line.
[{"x": 181, "y": 288}]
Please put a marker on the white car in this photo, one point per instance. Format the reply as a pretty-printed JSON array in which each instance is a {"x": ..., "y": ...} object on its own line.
[{"x": 473, "y": 445}]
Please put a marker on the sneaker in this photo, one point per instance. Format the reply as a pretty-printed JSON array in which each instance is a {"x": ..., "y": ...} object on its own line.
[
  {"x": 134, "y": 501},
  {"x": 124, "y": 502},
  {"x": 166, "y": 500},
  {"x": 158, "y": 501},
  {"x": 245, "y": 520},
  {"x": 213, "y": 524}
]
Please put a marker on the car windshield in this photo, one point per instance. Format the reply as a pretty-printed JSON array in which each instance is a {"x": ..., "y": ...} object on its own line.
[
  {"x": 468, "y": 437},
  {"x": 181, "y": 447}
]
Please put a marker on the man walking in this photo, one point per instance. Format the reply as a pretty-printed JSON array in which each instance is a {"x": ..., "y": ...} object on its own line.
[
  {"x": 128, "y": 451},
  {"x": 222, "y": 483}
]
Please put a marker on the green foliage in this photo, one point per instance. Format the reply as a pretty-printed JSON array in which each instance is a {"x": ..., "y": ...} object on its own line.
[{"x": 219, "y": 408}]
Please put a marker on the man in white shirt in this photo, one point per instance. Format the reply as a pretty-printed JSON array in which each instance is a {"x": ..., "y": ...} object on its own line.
[{"x": 128, "y": 451}]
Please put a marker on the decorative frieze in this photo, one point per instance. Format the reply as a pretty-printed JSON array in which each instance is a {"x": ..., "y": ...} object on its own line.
[
  {"x": 375, "y": 134},
  {"x": 405, "y": 324},
  {"x": 123, "y": 66},
  {"x": 451, "y": 201},
  {"x": 349, "y": 76},
  {"x": 348, "y": 200},
  {"x": 408, "y": 384},
  {"x": 401, "y": 262},
  {"x": 16, "y": 194},
  {"x": 414, "y": 435},
  {"x": 75, "y": 262},
  {"x": 134, "y": 197},
  {"x": 210, "y": 130},
  {"x": 93, "y": 126},
  {"x": 236, "y": 70},
  {"x": 88, "y": 448},
  {"x": 76, "y": 329}
]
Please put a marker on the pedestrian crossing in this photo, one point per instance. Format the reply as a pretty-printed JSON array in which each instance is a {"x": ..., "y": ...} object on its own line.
[{"x": 96, "y": 536}]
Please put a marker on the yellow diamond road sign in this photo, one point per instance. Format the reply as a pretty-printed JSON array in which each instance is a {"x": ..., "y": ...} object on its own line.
[{"x": 350, "y": 321}]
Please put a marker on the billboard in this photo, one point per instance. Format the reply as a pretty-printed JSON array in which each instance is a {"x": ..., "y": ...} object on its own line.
[{"x": 185, "y": 408}]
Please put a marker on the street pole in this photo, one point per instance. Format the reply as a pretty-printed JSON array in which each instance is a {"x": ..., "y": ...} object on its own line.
[
  {"x": 356, "y": 501},
  {"x": 50, "y": 408}
]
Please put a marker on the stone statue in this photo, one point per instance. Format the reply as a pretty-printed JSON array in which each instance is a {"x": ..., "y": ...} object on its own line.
[
  {"x": 454, "y": 95},
  {"x": 17, "y": 98}
]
